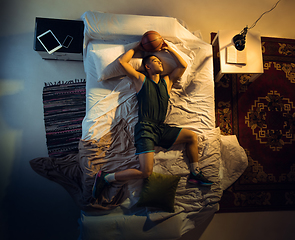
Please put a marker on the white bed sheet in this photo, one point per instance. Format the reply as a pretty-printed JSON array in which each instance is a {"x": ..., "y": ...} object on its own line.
[{"x": 191, "y": 106}]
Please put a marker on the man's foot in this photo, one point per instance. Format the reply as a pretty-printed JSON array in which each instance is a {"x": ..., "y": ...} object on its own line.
[
  {"x": 199, "y": 179},
  {"x": 99, "y": 184}
]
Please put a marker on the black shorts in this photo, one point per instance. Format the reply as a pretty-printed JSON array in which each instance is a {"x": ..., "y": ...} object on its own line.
[{"x": 148, "y": 135}]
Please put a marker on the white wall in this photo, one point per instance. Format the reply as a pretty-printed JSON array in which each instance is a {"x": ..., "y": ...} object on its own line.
[{"x": 32, "y": 206}]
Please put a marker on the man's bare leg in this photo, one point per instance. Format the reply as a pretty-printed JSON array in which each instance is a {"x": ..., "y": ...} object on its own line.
[
  {"x": 146, "y": 161},
  {"x": 190, "y": 138}
]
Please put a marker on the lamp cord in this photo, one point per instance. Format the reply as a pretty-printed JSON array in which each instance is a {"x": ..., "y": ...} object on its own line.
[{"x": 253, "y": 25}]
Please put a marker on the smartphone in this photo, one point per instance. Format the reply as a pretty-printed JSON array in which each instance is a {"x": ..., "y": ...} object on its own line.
[
  {"x": 49, "y": 41},
  {"x": 67, "y": 41}
]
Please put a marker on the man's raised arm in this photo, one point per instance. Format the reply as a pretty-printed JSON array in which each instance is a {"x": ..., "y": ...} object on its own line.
[
  {"x": 137, "y": 77},
  {"x": 181, "y": 64}
]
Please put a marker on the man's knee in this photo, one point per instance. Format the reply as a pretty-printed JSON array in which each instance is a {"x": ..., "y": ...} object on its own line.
[
  {"x": 146, "y": 164},
  {"x": 192, "y": 137},
  {"x": 146, "y": 173}
]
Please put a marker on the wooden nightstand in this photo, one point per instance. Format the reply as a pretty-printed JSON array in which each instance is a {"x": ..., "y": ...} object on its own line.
[{"x": 61, "y": 29}]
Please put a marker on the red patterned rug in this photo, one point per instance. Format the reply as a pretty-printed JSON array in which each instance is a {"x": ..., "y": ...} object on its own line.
[{"x": 262, "y": 115}]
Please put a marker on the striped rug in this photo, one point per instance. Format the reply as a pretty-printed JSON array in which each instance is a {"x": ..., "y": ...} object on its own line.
[{"x": 64, "y": 110}]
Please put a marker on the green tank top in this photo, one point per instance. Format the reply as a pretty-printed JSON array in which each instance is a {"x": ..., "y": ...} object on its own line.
[{"x": 153, "y": 101}]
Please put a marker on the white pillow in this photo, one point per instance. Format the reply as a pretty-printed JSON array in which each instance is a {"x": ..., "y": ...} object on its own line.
[{"x": 107, "y": 66}]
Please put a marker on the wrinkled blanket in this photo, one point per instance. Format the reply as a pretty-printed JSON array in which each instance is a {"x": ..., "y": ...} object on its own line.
[
  {"x": 76, "y": 172},
  {"x": 114, "y": 152}
]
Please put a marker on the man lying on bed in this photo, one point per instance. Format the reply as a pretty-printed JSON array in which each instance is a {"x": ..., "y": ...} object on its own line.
[{"x": 153, "y": 94}]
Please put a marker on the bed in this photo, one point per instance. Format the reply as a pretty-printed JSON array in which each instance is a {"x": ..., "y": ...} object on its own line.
[{"x": 131, "y": 210}]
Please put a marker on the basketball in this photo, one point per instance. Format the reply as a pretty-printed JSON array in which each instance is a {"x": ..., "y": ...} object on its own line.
[{"x": 151, "y": 41}]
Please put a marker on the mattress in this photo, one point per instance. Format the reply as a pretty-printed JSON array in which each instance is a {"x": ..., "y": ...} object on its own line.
[{"x": 111, "y": 114}]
